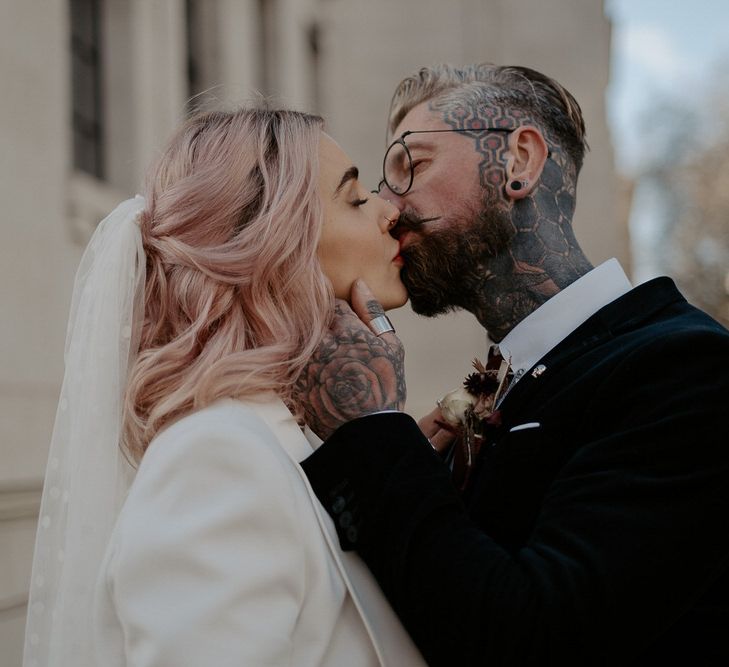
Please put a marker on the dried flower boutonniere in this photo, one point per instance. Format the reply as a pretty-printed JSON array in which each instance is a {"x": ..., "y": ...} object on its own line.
[{"x": 470, "y": 413}]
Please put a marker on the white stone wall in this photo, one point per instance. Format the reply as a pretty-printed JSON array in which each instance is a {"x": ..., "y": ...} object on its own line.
[
  {"x": 37, "y": 262},
  {"x": 365, "y": 49}
]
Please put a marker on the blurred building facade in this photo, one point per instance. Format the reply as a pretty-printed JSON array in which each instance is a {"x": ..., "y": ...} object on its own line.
[
  {"x": 91, "y": 89},
  {"x": 679, "y": 219}
]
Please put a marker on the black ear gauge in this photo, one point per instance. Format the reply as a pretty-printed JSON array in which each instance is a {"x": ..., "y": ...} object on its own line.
[{"x": 516, "y": 185}]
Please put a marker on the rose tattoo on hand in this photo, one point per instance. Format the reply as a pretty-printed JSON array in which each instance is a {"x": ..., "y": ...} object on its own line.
[{"x": 353, "y": 372}]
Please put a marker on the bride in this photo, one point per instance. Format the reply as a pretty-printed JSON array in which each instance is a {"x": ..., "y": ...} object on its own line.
[{"x": 176, "y": 526}]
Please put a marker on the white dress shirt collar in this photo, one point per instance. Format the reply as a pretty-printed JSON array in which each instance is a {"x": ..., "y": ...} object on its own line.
[{"x": 554, "y": 320}]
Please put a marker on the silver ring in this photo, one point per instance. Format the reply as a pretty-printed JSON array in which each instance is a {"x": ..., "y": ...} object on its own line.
[{"x": 381, "y": 325}]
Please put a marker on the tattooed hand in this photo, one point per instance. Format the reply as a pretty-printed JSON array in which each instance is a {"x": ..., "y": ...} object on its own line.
[{"x": 353, "y": 372}]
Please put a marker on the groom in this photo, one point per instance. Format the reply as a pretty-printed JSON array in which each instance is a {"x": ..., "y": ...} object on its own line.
[{"x": 594, "y": 525}]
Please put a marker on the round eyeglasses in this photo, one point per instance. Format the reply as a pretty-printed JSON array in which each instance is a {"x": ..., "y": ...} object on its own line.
[{"x": 397, "y": 167}]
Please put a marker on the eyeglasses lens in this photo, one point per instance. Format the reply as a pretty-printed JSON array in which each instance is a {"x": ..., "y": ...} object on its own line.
[{"x": 397, "y": 170}]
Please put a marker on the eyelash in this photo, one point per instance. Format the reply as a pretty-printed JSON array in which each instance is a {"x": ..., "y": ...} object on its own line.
[{"x": 359, "y": 202}]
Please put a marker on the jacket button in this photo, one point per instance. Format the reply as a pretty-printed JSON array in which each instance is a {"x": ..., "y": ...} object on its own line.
[
  {"x": 338, "y": 505},
  {"x": 345, "y": 520},
  {"x": 352, "y": 534}
]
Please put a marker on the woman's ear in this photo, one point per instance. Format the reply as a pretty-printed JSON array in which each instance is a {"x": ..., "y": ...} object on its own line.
[{"x": 528, "y": 153}]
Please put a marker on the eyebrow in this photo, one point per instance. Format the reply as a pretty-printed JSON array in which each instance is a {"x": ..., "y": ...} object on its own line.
[{"x": 351, "y": 174}]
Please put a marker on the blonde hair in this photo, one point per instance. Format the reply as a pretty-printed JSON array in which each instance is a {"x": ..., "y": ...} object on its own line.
[
  {"x": 235, "y": 300},
  {"x": 544, "y": 100}
]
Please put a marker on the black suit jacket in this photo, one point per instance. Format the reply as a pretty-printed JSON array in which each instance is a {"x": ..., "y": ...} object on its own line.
[{"x": 599, "y": 538}]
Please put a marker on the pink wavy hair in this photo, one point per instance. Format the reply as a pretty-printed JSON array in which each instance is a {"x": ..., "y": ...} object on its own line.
[{"x": 235, "y": 300}]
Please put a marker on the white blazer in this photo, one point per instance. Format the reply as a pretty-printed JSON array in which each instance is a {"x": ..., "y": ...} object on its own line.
[{"x": 222, "y": 556}]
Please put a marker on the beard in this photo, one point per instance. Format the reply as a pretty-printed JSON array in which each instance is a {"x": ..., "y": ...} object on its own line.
[{"x": 445, "y": 268}]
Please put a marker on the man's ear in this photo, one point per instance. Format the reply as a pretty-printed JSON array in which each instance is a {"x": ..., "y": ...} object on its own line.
[{"x": 528, "y": 153}]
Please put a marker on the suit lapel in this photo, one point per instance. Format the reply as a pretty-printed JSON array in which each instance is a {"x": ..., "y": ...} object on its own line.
[{"x": 390, "y": 640}]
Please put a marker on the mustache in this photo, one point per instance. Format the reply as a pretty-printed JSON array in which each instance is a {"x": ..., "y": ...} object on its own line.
[{"x": 410, "y": 221}]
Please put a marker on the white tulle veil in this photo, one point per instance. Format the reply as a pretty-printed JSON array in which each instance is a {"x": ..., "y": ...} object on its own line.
[{"x": 88, "y": 474}]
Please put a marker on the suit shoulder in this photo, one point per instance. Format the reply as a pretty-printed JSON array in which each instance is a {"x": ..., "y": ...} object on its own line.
[
  {"x": 222, "y": 463},
  {"x": 227, "y": 434},
  {"x": 225, "y": 421},
  {"x": 686, "y": 329}
]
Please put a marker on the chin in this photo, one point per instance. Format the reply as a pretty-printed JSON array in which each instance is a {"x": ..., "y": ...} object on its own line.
[{"x": 393, "y": 299}]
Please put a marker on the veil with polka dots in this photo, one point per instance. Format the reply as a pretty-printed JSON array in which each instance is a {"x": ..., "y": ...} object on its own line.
[{"x": 87, "y": 476}]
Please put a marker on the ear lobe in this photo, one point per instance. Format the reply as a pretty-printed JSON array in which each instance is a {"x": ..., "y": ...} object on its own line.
[
  {"x": 518, "y": 189},
  {"x": 529, "y": 152}
]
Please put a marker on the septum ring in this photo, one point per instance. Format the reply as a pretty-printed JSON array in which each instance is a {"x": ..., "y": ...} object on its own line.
[{"x": 381, "y": 325}]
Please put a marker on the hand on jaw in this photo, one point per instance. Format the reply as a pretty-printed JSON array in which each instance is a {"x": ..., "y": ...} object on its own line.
[{"x": 353, "y": 372}]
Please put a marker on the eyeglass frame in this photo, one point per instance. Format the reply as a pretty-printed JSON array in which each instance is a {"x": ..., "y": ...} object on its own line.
[{"x": 401, "y": 140}]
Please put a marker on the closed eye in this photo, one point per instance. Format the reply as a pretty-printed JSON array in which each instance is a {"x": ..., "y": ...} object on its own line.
[{"x": 359, "y": 202}]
